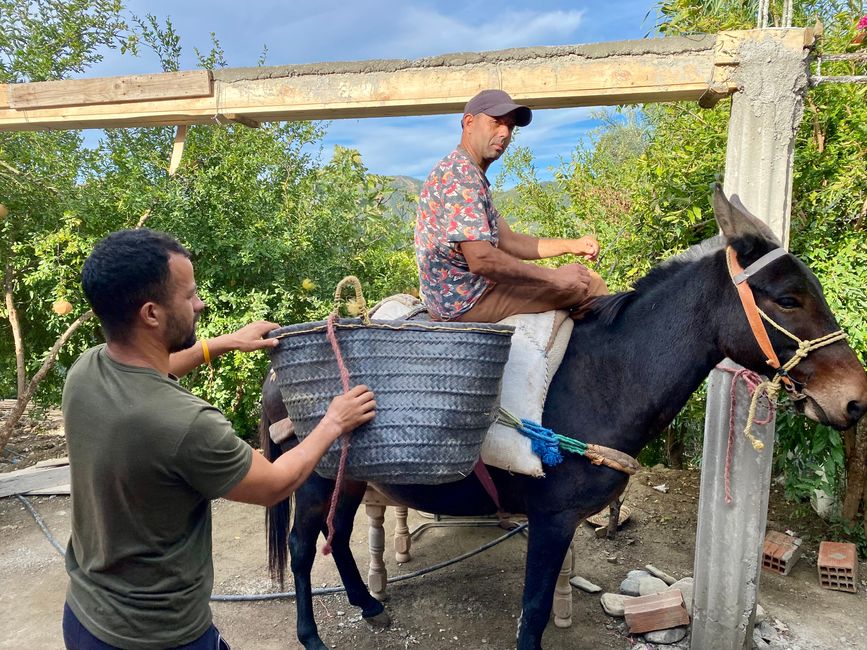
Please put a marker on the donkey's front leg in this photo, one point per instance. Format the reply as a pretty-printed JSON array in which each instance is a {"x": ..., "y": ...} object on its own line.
[{"x": 550, "y": 535}]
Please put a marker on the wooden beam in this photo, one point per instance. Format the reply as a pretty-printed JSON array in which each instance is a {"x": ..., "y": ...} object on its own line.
[
  {"x": 625, "y": 72},
  {"x": 241, "y": 119},
  {"x": 33, "y": 478},
  {"x": 178, "y": 148},
  {"x": 111, "y": 90}
]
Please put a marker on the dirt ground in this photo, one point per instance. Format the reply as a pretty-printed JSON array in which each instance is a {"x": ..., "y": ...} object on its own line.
[{"x": 472, "y": 604}]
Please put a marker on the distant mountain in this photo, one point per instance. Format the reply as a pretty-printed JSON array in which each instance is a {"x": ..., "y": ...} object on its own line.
[
  {"x": 406, "y": 183},
  {"x": 404, "y": 196},
  {"x": 406, "y": 189}
]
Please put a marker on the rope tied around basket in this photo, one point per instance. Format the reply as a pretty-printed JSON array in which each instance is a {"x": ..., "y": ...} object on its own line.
[
  {"x": 546, "y": 444},
  {"x": 345, "y": 439}
]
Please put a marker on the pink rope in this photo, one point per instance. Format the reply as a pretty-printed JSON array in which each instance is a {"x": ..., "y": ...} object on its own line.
[
  {"x": 345, "y": 438},
  {"x": 752, "y": 380}
]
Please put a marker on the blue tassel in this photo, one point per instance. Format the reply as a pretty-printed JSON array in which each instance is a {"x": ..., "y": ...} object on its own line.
[{"x": 543, "y": 442}]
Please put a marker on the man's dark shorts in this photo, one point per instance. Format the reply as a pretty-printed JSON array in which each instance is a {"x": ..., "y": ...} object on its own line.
[{"x": 76, "y": 637}]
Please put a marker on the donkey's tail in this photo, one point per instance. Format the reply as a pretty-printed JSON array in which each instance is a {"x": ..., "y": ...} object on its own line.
[{"x": 277, "y": 518}]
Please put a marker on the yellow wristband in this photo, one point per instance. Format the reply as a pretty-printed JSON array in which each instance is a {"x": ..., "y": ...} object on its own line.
[{"x": 205, "y": 352}]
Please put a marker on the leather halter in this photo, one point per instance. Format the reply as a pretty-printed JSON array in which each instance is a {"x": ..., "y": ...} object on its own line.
[{"x": 740, "y": 277}]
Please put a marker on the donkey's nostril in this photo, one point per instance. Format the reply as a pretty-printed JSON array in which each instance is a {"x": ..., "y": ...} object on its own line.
[{"x": 855, "y": 409}]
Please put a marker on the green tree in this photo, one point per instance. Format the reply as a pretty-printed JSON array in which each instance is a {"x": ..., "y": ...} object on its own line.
[
  {"x": 41, "y": 41},
  {"x": 827, "y": 228},
  {"x": 271, "y": 228}
]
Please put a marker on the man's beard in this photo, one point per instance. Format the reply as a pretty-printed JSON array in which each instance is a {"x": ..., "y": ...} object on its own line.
[{"x": 180, "y": 338}]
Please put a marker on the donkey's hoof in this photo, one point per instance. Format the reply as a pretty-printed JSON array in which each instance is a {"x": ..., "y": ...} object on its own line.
[{"x": 378, "y": 621}]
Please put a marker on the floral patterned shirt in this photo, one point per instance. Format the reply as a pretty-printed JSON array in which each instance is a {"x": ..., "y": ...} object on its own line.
[{"x": 454, "y": 206}]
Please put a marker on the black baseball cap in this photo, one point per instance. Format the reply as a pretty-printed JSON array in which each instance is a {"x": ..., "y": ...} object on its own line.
[{"x": 497, "y": 103}]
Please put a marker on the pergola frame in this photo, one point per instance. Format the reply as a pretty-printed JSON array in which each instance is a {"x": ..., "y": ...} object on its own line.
[
  {"x": 765, "y": 73},
  {"x": 693, "y": 68}
]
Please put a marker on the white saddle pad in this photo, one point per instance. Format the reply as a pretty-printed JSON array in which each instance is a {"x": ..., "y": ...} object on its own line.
[{"x": 538, "y": 346}]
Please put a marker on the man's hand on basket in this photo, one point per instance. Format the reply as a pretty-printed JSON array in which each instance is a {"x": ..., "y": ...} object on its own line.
[
  {"x": 249, "y": 337},
  {"x": 351, "y": 409}
]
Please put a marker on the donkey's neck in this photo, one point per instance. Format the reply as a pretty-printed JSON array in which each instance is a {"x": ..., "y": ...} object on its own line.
[{"x": 622, "y": 382}]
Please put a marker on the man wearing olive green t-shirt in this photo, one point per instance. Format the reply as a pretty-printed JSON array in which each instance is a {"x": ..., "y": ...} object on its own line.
[{"x": 147, "y": 457}]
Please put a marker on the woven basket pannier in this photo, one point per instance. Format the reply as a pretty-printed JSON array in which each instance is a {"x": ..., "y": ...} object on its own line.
[{"x": 436, "y": 387}]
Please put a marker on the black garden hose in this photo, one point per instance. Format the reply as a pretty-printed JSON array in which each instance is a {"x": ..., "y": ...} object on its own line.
[{"x": 322, "y": 591}]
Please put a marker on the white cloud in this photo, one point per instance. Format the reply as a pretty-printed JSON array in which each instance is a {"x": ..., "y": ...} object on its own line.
[
  {"x": 330, "y": 30},
  {"x": 406, "y": 146},
  {"x": 382, "y": 29},
  {"x": 422, "y": 31},
  {"x": 411, "y": 146}
]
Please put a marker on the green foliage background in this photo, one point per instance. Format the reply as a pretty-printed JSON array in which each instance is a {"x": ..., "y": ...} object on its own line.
[{"x": 259, "y": 212}]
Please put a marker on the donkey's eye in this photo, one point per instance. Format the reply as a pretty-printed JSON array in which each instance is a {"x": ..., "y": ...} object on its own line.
[{"x": 788, "y": 302}]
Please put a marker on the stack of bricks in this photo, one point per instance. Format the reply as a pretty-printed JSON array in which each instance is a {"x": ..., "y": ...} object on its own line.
[
  {"x": 655, "y": 612},
  {"x": 838, "y": 566},
  {"x": 780, "y": 552}
]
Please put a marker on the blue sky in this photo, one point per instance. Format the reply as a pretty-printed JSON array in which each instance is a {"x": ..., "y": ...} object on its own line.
[{"x": 331, "y": 30}]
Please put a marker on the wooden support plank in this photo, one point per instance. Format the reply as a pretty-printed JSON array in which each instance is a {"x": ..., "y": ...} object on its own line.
[
  {"x": 178, "y": 148},
  {"x": 57, "y": 490},
  {"x": 53, "y": 462},
  {"x": 626, "y": 72},
  {"x": 242, "y": 119},
  {"x": 111, "y": 90},
  {"x": 24, "y": 481}
]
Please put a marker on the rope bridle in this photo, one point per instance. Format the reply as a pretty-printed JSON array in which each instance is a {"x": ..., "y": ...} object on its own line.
[{"x": 770, "y": 387}]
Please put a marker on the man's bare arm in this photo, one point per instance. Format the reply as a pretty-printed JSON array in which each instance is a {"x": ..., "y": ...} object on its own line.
[
  {"x": 267, "y": 483},
  {"x": 246, "y": 339},
  {"x": 501, "y": 267},
  {"x": 527, "y": 247}
]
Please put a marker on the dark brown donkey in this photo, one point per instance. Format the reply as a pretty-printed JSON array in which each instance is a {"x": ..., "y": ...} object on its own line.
[{"x": 629, "y": 368}]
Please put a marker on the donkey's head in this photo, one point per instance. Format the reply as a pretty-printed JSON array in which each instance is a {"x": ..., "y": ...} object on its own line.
[{"x": 827, "y": 382}]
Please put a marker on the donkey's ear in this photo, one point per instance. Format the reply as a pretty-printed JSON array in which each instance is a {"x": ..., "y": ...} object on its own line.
[{"x": 736, "y": 221}]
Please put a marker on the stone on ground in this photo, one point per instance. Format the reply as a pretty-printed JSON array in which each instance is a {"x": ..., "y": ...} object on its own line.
[
  {"x": 651, "y": 585},
  {"x": 613, "y": 603},
  {"x": 666, "y": 637}
]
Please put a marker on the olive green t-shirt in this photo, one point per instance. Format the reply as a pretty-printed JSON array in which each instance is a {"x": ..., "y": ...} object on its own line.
[{"x": 146, "y": 457}]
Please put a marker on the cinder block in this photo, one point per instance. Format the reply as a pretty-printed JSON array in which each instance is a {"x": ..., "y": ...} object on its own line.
[
  {"x": 838, "y": 566},
  {"x": 655, "y": 612},
  {"x": 780, "y": 552}
]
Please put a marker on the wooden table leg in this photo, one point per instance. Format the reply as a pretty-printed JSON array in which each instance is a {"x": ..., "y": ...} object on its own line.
[
  {"x": 377, "y": 576},
  {"x": 563, "y": 593},
  {"x": 402, "y": 541}
]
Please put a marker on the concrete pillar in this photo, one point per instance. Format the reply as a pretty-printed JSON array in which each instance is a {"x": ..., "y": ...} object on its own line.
[
  {"x": 765, "y": 114},
  {"x": 729, "y": 536}
]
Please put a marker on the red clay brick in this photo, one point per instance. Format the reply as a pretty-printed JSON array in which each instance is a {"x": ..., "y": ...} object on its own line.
[
  {"x": 780, "y": 552},
  {"x": 838, "y": 566},
  {"x": 655, "y": 612}
]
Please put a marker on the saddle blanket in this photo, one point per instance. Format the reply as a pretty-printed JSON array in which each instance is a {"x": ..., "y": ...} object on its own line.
[{"x": 538, "y": 346}]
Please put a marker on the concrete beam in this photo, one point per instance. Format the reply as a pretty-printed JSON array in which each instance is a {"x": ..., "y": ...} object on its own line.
[{"x": 695, "y": 68}]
